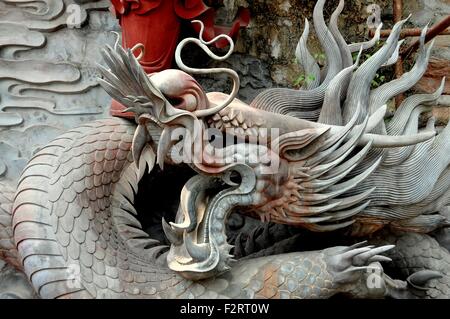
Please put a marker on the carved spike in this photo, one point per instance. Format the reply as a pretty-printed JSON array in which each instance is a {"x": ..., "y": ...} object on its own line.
[
  {"x": 386, "y": 141},
  {"x": 330, "y": 227},
  {"x": 346, "y": 202},
  {"x": 311, "y": 210},
  {"x": 240, "y": 117},
  {"x": 218, "y": 125},
  {"x": 174, "y": 237},
  {"x": 154, "y": 252},
  {"x": 163, "y": 146},
  {"x": 147, "y": 159},
  {"x": 356, "y": 251},
  {"x": 349, "y": 213},
  {"x": 125, "y": 189},
  {"x": 295, "y": 220},
  {"x": 364, "y": 257},
  {"x": 379, "y": 258},
  {"x": 349, "y": 164},
  {"x": 357, "y": 245},
  {"x": 238, "y": 247},
  {"x": 250, "y": 243},
  {"x": 198, "y": 252},
  {"x": 420, "y": 278},
  {"x": 140, "y": 139},
  {"x": 232, "y": 113}
]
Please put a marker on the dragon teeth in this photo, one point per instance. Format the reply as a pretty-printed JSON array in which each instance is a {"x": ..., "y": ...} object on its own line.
[
  {"x": 259, "y": 121},
  {"x": 232, "y": 113},
  {"x": 218, "y": 125},
  {"x": 252, "y": 131},
  {"x": 262, "y": 132},
  {"x": 240, "y": 131},
  {"x": 240, "y": 117}
]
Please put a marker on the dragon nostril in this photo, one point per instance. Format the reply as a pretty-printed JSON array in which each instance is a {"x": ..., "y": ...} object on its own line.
[
  {"x": 235, "y": 177},
  {"x": 177, "y": 102}
]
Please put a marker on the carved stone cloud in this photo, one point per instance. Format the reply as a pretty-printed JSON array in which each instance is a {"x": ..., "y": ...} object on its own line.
[{"x": 48, "y": 51}]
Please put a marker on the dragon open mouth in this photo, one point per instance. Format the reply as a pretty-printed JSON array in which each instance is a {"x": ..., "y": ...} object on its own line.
[
  {"x": 240, "y": 235},
  {"x": 207, "y": 236},
  {"x": 152, "y": 188},
  {"x": 324, "y": 176},
  {"x": 143, "y": 223}
]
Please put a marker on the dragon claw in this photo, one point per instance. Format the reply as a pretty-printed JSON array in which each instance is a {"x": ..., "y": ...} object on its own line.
[
  {"x": 418, "y": 279},
  {"x": 414, "y": 286}
]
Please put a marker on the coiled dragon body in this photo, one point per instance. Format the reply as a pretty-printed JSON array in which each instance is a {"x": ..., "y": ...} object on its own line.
[
  {"x": 334, "y": 165},
  {"x": 77, "y": 238}
]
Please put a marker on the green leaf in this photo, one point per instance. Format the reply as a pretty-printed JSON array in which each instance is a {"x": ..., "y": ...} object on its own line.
[
  {"x": 310, "y": 78},
  {"x": 299, "y": 80}
]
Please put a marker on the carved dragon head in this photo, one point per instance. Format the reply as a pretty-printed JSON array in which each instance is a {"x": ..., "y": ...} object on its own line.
[{"x": 315, "y": 174}]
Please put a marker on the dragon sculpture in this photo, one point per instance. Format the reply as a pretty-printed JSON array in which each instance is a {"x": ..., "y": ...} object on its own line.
[{"x": 320, "y": 159}]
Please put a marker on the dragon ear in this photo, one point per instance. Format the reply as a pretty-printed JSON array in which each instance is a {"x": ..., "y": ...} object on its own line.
[{"x": 298, "y": 145}]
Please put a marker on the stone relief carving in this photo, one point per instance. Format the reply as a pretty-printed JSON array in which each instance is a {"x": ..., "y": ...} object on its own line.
[
  {"x": 48, "y": 74},
  {"x": 320, "y": 159}
]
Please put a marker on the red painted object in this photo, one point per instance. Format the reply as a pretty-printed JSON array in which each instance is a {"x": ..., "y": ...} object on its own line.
[{"x": 156, "y": 24}]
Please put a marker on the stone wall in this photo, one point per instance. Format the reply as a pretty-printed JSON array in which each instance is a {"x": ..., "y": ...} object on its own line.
[
  {"x": 276, "y": 27},
  {"x": 48, "y": 75}
]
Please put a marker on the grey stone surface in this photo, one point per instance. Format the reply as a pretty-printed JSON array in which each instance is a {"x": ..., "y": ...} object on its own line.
[
  {"x": 276, "y": 27},
  {"x": 48, "y": 85},
  {"x": 48, "y": 74},
  {"x": 443, "y": 235},
  {"x": 254, "y": 75},
  {"x": 14, "y": 284},
  {"x": 431, "y": 11}
]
